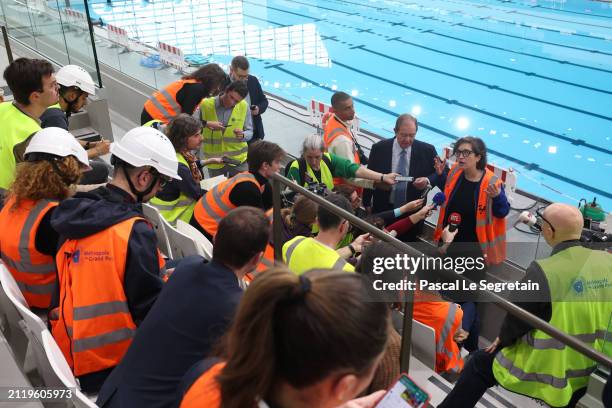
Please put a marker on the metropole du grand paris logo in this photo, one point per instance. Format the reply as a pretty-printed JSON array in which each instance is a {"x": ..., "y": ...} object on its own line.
[
  {"x": 76, "y": 256},
  {"x": 578, "y": 286}
]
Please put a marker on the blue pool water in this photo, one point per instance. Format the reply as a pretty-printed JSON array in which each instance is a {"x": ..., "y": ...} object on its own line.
[{"x": 532, "y": 78}]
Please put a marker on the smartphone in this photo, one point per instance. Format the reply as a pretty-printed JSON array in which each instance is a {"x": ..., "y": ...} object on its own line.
[
  {"x": 405, "y": 393},
  {"x": 404, "y": 178},
  {"x": 229, "y": 160},
  {"x": 425, "y": 193}
]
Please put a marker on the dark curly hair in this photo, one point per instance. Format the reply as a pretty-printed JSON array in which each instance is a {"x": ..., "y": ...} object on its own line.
[
  {"x": 478, "y": 147},
  {"x": 180, "y": 128},
  {"x": 211, "y": 76}
]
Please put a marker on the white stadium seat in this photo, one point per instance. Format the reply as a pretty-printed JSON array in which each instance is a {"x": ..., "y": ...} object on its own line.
[{"x": 205, "y": 246}]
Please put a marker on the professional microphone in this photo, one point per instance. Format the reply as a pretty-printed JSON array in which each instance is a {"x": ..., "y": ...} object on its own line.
[
  {"x": 454, "y": 220},
  {"x": 528, "y": 219},
  {"x": 439, "y": 199}
]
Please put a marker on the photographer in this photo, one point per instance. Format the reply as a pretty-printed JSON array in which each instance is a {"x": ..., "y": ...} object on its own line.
[{"x": 317, "y": 167}]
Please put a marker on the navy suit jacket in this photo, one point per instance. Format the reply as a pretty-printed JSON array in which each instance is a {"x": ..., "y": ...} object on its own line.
[
  {"x": 257, "y": 98},
  {"x": 421, "y": 165},
  {"x": 192, "y": 312}
]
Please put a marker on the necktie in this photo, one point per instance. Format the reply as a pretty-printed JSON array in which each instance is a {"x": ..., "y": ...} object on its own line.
[{"x": 399, "y": 198}]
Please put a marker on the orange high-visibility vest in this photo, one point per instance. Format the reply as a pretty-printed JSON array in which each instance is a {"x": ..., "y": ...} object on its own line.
[
  {"x": 215, "y": 204},
  {"x": 490, "y": 230},
  {"x": 445, "y": 319},
  {"x": 334, "y": 129},
  {"x": 205, "y": 391},
  {"x": 267, "y": 260},
  {"x": 162, "y": 105},
  {"x": 33, "y": 271},
  {"x": 94, "y": 327},
  {"x": 326, "y": 117}
]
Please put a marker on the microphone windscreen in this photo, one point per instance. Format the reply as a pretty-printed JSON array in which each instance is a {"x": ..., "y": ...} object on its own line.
[
  {"x": 439, "y": 198},
  {"x": 527, "y": 218},
  {"x": 454, "y": 218}
]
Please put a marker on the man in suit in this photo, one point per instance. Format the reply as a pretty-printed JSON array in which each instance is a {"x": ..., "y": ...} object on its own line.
[
  {"x": 408, "y": 157},
  {"x": 258, "y": 103}
]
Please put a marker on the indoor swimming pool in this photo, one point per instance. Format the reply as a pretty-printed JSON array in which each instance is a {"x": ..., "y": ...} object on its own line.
[{"x": 531, "y": 78}]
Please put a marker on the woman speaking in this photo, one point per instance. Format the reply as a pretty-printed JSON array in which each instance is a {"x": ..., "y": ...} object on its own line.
[
  {"x": 477, "y": 206},
  {"x": 475, "y": 200}
]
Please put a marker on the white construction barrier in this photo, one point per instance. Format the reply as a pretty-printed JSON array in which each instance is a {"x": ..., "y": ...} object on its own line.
[
  {"x": 172, "y": 56},
  {"x": 118, "y": 35},
  {"x": 321, "y": 112},
  {"x": 507, "y": 176},
  {"x": 38, "y": 5},
  {"x": 76, "y": 18}
]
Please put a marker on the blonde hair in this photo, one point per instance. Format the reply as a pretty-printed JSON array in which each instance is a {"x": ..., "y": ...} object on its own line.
[{"x": 38, "y": 180}]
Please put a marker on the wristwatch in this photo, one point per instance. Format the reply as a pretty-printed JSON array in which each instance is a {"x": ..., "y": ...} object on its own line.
[{"x": 352, "y": 248}]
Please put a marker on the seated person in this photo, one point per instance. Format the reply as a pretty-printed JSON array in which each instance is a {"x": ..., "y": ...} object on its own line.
[
  {"x": 247, "y": 188},
  {"x": 28, "y": 244},
  {"x": 75, "y": 86},
  {"x": 177, "y": 199},
  {"x": 192, "y": 312},
  {"x": 350, "y": 192},
  {"x": 296, "y": 220},
  {"x": 429, "y": 309},
  {"x": 299, "y": 218},
  {"x": 279, "y": 314},
  {"x": 528, "y": 361},
  {"x": 110, "y": 270},
  {"x": 302, "y": 253},
  {"x": 318, "y": 167}
]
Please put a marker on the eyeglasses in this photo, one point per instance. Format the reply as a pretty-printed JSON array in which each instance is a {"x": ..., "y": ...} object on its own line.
[
  {"x": 540, "y": 214},
  {"x": 164, "y": 180},
  {"x": 463, "y": 153}
]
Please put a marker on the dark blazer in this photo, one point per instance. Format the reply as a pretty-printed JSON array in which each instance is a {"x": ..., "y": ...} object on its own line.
[
  {"x": 421, "y": 165},
  {"x": 257, "y": 98},
  {"x": 192, "y": 312}
]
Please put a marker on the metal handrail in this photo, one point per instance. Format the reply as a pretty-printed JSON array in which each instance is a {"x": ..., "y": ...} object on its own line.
[
  {"x": 278, "y": 181},
  {"x": 7, "y": 44}
]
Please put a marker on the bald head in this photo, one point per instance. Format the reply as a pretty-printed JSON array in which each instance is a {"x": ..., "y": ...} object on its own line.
[{"x": 566, "y": 219}]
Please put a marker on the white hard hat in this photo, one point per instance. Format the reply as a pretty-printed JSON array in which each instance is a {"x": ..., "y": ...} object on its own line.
[
  {"x": 73, "y": 75},
  {"x": 145, "y": 146},
  {"x": 58, "y": 142}
]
